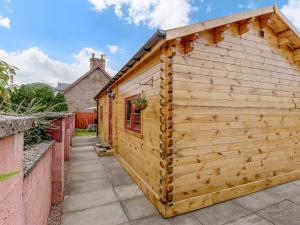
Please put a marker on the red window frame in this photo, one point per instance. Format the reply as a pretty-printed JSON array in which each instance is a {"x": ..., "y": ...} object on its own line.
[
  {"x": 101, "y": 113},
  {"x": 131, "y": 126}
]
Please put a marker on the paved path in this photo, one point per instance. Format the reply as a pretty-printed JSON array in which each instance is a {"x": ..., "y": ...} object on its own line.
[{"x": 99, "y": 192}]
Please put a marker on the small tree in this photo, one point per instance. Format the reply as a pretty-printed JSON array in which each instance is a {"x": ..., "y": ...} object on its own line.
[
  {"x": 7, "y": 73},
  {"x": 43, "y": 94}
]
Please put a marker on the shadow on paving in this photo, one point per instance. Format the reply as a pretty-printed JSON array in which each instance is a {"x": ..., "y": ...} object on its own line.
[{"x": 100, "y": 192}]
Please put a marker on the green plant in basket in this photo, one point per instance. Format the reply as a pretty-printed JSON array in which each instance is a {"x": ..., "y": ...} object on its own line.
[{"x": 140, "y": 103}]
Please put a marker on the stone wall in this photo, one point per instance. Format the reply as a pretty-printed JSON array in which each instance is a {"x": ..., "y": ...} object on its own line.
[
  {"x": 25, "y": 199},
  {"x": 81, "y": 96}
]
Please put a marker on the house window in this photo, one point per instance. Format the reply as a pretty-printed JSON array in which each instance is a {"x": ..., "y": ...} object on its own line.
[
  {"x": 132, "y": 115},
  {"x": 101, "y": 113}
]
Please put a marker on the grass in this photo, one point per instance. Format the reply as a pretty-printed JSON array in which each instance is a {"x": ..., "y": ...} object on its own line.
[{"x": 84, "y": 133}]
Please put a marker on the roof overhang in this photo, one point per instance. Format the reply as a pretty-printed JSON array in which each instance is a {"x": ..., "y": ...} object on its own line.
[
  {"x": 287, "y": 31},
  {"x": 146, "y": 48}
]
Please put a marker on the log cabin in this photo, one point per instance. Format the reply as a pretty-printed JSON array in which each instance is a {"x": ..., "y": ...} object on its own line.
[{"x": 222, "y": 117}]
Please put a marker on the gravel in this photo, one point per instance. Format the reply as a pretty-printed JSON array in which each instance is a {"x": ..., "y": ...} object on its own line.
[
  {"x": 33, "y": 155},
  {"x": 55, "y": 214}
]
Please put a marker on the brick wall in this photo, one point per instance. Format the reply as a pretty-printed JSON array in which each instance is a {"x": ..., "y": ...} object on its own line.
[
  {"x": 81, "y": 96},
  {"x": 25, "y": 199}
]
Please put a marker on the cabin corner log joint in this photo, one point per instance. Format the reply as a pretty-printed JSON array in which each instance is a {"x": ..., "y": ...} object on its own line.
[
  {"x": 166, "y": 126},
  {"x": 223, "y": 112}
]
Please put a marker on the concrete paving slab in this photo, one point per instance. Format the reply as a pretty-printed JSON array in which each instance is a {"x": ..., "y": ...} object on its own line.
[
  {"x": 258, "y": 200},
  {"x": 250, "y": 220},
  {"x": 186, "y": 219},
  {"x": 136, "y": 208},
  {"x": 295, "y": 199},
  {"x": 86, "y": 200},
  {"x": 80, "y": 156},
  {"x": 86, "y": 168},
  {"x": 128, "y": 191},
  {"x": 88, "y": 185},
  {"x": 151, "y": 220},
  {"x": 119, "y": 177},
  {"x": 82, "y": 176},
  {"x": 111, "y": 214},
  {"x": 83, "y": 149},
  {"x": 109, "y": 162},
  {"x": 220, "y": 213},
  {"x": 285, "y": 191},
  {"x": 82, "y": 163},
  {"x": 283, "y": 213},
  {"x": 297, "y": 182}
]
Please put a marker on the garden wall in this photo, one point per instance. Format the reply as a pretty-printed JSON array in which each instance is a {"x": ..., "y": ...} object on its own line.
[{"x": 25, "y": 198}]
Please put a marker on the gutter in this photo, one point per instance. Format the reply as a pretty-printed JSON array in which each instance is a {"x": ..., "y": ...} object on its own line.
[{"x": 153, "y": 40}]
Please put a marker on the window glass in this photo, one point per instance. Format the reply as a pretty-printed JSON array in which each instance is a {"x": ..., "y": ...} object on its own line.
[
  {"x": 128, "y": 113},
  {"x": 132, "y": 115},
  {"x": 137, "y": 118}
]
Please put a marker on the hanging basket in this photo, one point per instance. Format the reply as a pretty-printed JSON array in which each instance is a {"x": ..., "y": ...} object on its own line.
[{"x": 140, "y": 103}]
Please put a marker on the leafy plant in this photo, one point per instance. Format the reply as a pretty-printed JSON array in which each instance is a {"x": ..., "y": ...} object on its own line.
[
  {"x": 5, "y": 176},
  {"x": 46, "y": 96},
  {"x": 34, "y": 109},
  {"x": 7, "y": 73},
  {"x": 140, "y": 103}
]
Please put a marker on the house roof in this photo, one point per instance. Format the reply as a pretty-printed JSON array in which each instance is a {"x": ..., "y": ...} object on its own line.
[
  {"x": 269, "y": 14},
  {"x": 61, "y": 86},
  {"x": 69, "y": 87}
]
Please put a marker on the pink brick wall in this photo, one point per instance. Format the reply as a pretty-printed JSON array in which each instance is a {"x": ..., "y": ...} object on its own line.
[
  {"x": 11, "y": 159},
  {"x": 58, "y": 160},
  {"x": 37, "y": 192},
  {"x": 27, "y": 201}
]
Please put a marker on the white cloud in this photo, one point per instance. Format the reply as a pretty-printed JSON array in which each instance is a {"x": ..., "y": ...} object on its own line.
[
  {"x": 34, "y": 65},
  {"x": 208, "y": 8},
  {"x": 291, "y": 10},
  {"x": 113, "y": 48},
  {"x": 163, "y": 14},
  {"x": 5, "y": 22},
  {"x": 248, "y": 5}
]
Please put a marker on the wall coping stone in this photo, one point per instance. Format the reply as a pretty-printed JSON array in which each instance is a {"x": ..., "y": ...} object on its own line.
[
  {"x": 33, "y": 155},
  {"x": 54, "y": 115},
  {"x": 13, "y": 124}
]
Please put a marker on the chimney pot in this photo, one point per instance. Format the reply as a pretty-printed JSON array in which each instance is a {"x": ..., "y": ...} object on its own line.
[{"x": 95, "y": 62}]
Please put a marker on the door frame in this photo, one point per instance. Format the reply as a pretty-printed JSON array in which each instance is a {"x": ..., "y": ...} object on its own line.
[{"x": 110, "y": 121}]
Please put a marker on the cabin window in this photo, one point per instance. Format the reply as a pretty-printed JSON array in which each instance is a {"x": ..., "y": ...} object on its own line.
[
  {"x": 261, "y": 33},
  {"x": 132, "y": 115},
  {"x": 101, "y": 113}
]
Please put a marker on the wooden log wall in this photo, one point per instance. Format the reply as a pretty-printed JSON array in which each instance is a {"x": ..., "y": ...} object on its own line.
[
  {"x": 236, "y": 115},
  {"x": 103, "y": 125},
  {"x": 140, "y": 153}
]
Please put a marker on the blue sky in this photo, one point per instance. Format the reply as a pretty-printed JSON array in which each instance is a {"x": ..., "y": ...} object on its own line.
[{"x": 51, "y": 40}]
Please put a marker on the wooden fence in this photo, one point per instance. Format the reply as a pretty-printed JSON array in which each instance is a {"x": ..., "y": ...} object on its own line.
[{"x": 82, "y": 119}]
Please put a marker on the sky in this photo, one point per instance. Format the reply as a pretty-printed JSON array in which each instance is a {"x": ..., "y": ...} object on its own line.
[{"x": 51, "y": 41}]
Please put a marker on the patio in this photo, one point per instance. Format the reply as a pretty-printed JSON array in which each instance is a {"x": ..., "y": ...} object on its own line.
[{"x": 100, "y": 192}]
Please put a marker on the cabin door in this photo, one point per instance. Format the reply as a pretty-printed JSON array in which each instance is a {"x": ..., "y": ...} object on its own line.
[{"x": 110, "y": 122}]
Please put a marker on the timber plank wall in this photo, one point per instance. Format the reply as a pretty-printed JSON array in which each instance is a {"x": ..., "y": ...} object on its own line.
[
  {"x": 222, "y": 120},
  {"x": 236, "y": 118}
]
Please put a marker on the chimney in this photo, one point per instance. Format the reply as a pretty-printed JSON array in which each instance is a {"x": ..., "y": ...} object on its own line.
[{"x": 95, "y": 62}]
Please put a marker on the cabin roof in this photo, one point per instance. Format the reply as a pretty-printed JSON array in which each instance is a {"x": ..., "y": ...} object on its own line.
[
  {"x": 69, "y": 87},
  {"x": 270, "y": 14}
]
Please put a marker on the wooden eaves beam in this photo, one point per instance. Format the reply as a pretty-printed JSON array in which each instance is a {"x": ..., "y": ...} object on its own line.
[
  {"x": 243, "y": 26},
  {"x": 186, "y": 43},
  {"x": 283, "y": 37},
  {"x": 218, "y": 33}
]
